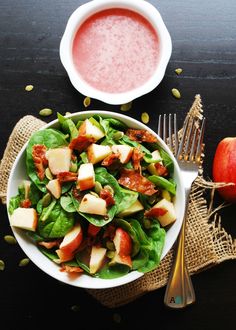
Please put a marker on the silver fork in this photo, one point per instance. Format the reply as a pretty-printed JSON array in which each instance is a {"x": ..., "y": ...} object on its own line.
[{"x": 179, "y": 291}]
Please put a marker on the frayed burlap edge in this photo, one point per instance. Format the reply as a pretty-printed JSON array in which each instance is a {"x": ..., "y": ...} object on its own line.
[{"x": 207, "y": 243}]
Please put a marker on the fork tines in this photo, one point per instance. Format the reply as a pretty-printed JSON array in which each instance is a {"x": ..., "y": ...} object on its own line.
[{"x": 169, "y": 132}]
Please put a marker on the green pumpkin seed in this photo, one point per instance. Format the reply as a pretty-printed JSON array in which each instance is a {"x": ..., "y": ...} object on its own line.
[
  {"x": 109, "y": 188},
  {"x": 2, "y": 265},
  {"x": 29, "y": 88},
  {"x": 178, "y": 71},
  {"x": 67, "y": 113},
  {"x": 176, "y": 93},
  {"x": 97, "y": 187},
  {"x": 10, "y": 239},
  {"x": 147, "y": 223},
  {"x": 24, "y": 262},
  {"x": 87, "y": 101},
  {"x": 94, "y": 194},
  {"x": 145, "y": 117},
  {"x": 75, "y": 308},
  {"x": 46, "y": 200},
  {"x": 48, "y": 174},
  {"x": 110, "y": 245},
  {"x": 126, "y": 106},
  {"x": 118, "y": 135},
  {"x": 45, "y": 112},
  {"x": 116, "y": 318},
  {"x": 110, "y": 254},
  {"x": 73, "y": 167}
]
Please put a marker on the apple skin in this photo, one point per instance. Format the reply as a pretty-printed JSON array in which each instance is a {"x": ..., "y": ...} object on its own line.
[
  {"x": 72, "y": 240},
  {"x": 224, "y": 167},
  {"x": 123, "y": 242}
]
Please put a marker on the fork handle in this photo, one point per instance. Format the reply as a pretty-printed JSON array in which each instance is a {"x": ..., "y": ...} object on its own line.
[{"x": 179, "y": 291}]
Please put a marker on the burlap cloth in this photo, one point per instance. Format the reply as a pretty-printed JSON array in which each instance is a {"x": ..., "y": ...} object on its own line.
[{"x": 207, "y": 243}]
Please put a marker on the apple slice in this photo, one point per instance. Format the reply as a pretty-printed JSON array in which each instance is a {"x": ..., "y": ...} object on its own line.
[
  {"x": 97, "y": 257},
  {"x": 72, "y": 239},
  {"x": 121, "y": 260},
  {"x": 90, "y": 130},
  {"x": 134, "y": 208},
  {"x": 125, "y": 152},
  {"x": 54, "y": 187},
  {"x": 156, "y": 156},
  {"x": 63, "y": 256},
  {"x": 25, "y": 218},
  {"x": 86, "y": 176},
  {"x": 93, "y": 205},
  {"x": 169, "y": 216},
  {"x": 122, "y": 242},
  {"x": 96, "y": 152},
  {"x": 59, "y": 159}
]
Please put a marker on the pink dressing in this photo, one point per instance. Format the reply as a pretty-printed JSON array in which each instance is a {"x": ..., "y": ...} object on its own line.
[{"x": 116, "y": 50}]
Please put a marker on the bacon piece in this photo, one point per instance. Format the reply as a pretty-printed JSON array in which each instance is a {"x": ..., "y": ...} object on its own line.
[
  {"x": 67, "y": 176},
  {"x": 107, "y": 196},
  {"x": 39, "y": 159},
  {"x": 155, "y": 212},
  {"x": 140, "y": 135},
  {"x": 71, "y": 269},
  {"x": 135, "y": 181},
  {"x": 49, "y": 245},
  {"x": 93, "y": 230},
  {"x": 109, "y": 160},
  {"x": 26, "y": 203},
  {"x": 137, "y": 156},
  {"x": 161, "y": 169},
  {"x": 81, "y": 143}
]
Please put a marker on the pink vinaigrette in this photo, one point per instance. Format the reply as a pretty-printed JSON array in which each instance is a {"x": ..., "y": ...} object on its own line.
[{"x": 116, "y": 50}]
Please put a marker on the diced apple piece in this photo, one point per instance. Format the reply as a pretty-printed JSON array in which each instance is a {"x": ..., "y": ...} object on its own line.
[
  {"x": 97, "y": 257},
  {"x": 96, "y": 153},
  {"x": 86, "y": 176},
  {"x": 156, "y": 156},
  {"x": 63, "y": 256},
  {"x": 93, "y": 205},
  {"x": 72, "y": 239},
  {"x": 121, "y": 259},
  {"x": 90, "y": 131},
  {"x": 54, "y": 187},
  {"x": 59, "y": 159},
  {"x": 122, "y": 242},
  {"x": 134, "y": 208},
  {"x": 124, "y": 151},
  {"x": 169, "y": 216},
  {"x": 25, "y": 218}
]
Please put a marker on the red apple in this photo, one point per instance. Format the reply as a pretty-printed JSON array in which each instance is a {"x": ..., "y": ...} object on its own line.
[
  {"x": 98, "y": 255},
  {"x": 123, "y": 242},
  {"x": 72, "y": 239},
  {"x": 224, "y": 167},
  {"x": 93, "y": 230},
  {"x": 64, "y": 256},
  {"x": 121, "y": 259}
]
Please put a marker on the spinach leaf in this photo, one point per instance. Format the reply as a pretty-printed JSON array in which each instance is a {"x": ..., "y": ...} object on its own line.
[
  {"x": 14, "y": 203},
  {"x": 82, "y": 258},
  {"x": 34, "y": 194},
  {"x": 167, "y": 161},
  {"x": 129, "y": 197},
  {"x": 55, "y": 222},
  {"x": 109, "y": 272},
  {"x": 51, "y": 139},
  {"x": 48, "y": 253},
  {"x": 34, "y": 236},
  {"x": 163, "y": 183},
  {"x": 151, "y": 244},
  {"x": 66, "y": 186},
  {"x": 126, "y": 140},
  {"x": 68, "y": 126},
  {"x": 67, "y": 204}
]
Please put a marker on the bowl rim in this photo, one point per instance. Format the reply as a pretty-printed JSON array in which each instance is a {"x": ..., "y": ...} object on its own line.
[
  {"x": 94, "y": 283},
  {"x": 86, "y": 10}
]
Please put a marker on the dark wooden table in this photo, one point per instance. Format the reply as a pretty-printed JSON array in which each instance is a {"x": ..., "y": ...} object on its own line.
[{"x": 204, "y": 45}]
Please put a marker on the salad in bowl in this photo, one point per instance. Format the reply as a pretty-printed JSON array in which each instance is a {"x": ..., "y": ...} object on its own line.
[{"x": 95, "y": 199}]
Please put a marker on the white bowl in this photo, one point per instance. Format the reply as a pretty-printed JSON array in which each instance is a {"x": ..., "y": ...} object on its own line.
[
  {"x": 18, "y": 173},
  {"x": 143, "y": 8}
]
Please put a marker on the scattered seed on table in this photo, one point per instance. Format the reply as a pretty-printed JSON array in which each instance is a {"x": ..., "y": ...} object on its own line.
[
  {"x": 45, "y": 112},
  {"x": 75, "y": 308},
  {"x": 116, "y": 318},
  {"x": 126, "y": 106},
  {"x": 87, "y": 101},
  {"x": 10, "y": 239},
  {"x": 29, "y": 88},
  {"x": 145, "y": 117},
  {"x": 176, "y": 93},
  {"x": 67, "y": 113},
  {"x": 24, "y": 262},
  {"x": 178, "y": 71},
  {"x": 2, "y": 265}
]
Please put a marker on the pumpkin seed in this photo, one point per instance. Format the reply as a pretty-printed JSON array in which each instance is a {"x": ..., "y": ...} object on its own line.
[
  {"x": 10, "y": 239},
  {"x": 147, "y": 223},
  {"x": 178, "y": 71},
  {"x": 110, "y": 254},
  {"x": 126, "y": 106},
  {"x": 94, "y": 194},
  {"x": 2, "y": 265},
  {"x": 176, "y": 93},
  {"x": 109, "y": 188},
  {"x": 75, "y": 308},
  {"x": 48, "y": 174},
  {"x": 73, "y": 167},
  {"x": 67, "y": 113},
  {"x": 24, "y": 262},
  {"x": 97, "y": 187},
  {"x": 110, "y": 245},
  {"x": 29, "y": 88},
  {"x": 118, "y": 135},
  {"x": 45, "y": 112},
  {"x": 116, "y": 318},
  {"x": 145, "y": 117},
  {"x": 87, "y": 101},
  {"x": 165, "y": 194},
  {"x": 46, "y": 200}
]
